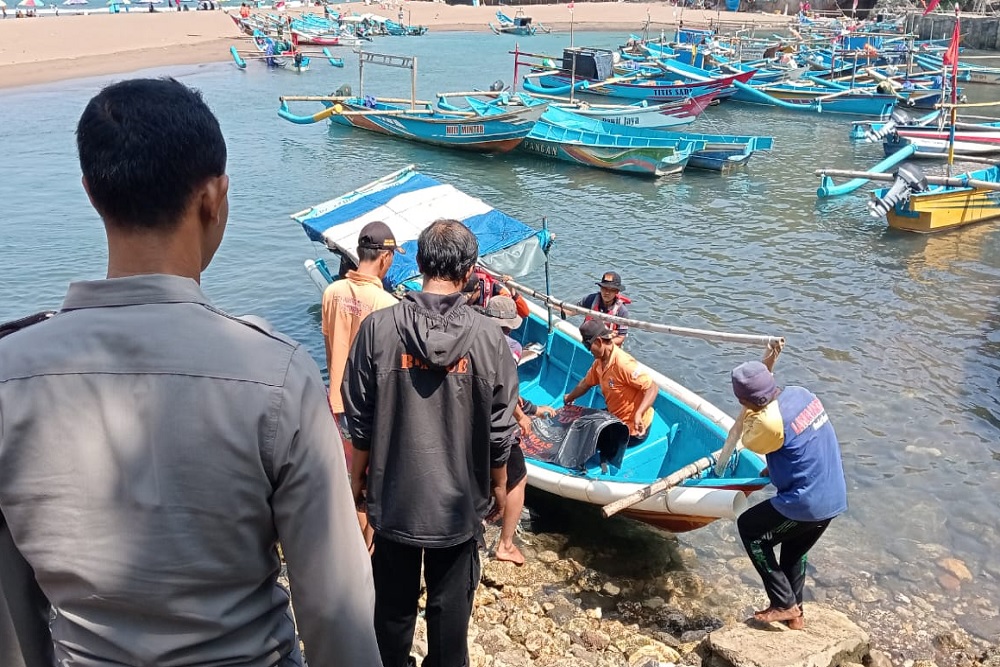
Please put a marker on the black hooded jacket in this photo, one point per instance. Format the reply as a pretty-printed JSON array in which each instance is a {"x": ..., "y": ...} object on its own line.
[{"x": 430, "y": 389}]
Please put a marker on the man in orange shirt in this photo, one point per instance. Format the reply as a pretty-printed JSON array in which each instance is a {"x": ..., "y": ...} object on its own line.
[
  {"x": 628, "y": 392},
  {"x": 348, "y": 301}
]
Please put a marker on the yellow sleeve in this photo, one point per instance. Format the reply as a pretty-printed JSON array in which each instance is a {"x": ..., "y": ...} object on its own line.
[{"x": 763, "y": 430}]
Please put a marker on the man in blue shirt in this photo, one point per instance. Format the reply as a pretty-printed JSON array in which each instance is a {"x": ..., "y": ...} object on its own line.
[{"x": 791, "y": 427}]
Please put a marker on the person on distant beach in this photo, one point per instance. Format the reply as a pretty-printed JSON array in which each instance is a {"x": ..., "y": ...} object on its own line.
[
  {"x": 503, "y": 310},
  {"x": 429, "y": 393},
  {"x": 628, "y": 392},
  {"x": 148, "y": 510},
  {"x": 244, "y": 11},
  {"x": 608, "y": 300},
  {"x": 791, "y": 427}
]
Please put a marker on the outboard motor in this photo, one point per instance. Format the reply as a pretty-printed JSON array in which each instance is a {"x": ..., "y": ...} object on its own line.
[
  {"x": 898, "y": 117},
  {"x": 497, "y": 86},
  {"x": 343, "y": 91},
  {"x": 909, "y": 179}
]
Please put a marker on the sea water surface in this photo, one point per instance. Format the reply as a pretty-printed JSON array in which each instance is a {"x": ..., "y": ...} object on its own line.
[{"x": 899, "y": 334}]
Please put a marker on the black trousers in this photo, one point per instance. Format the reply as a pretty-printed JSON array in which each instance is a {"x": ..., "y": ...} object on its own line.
[
  {"x": 762, "y": 528},
  {"x": 451, "y": 574}
]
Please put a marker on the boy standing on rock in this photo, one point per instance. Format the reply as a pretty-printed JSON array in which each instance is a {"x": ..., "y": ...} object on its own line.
[{"x": 791, "y": 427}]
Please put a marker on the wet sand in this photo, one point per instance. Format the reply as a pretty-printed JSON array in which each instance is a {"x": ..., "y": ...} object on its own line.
[{"x": 49, "y": 48}]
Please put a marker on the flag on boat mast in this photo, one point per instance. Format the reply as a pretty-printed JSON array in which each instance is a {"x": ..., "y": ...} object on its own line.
[
  {"x": 951, "y": 58},
  {"x": 931, "y": 6}
]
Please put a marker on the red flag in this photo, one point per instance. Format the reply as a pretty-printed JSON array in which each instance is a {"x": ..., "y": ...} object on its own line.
[
  {"x": 570, "y": 5},
  {"x": 950, "y": 56},
  {"x": 931, "y": 6}
]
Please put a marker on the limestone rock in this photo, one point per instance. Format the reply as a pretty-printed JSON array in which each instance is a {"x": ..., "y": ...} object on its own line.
[
  {"x": 955, "y": 568},
  {"x": 654, "y": 603},
  {"x": 654, "y": 651},
  {"x": 949, "y": 583},
  {"x": 879, "y": 659},
  {"x": 537, "y": 642},
  {"x": 547, "y": 557},
  {"x": 494, "y": 641},
  {"x": 517, "y": 657},
  {"x": 610, "y": 589},
  {"x": 829, "y": 639},
  {"x": 597, "y": 640}
]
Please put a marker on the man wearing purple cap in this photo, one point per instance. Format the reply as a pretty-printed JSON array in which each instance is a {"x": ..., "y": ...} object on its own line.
[{"x": 791, "y": 428}]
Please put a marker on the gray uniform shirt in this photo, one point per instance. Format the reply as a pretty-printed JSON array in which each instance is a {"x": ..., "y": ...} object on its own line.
[{"x": 153, "y": 450}]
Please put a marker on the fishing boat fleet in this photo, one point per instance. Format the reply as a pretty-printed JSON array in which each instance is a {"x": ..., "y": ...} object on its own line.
[
  {"x": 633, "y": 110},
  {"x": 277, "y": 40}
]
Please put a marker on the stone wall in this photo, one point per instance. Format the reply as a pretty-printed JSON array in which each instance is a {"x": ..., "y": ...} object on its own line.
[{"x": 978, "y": 32}]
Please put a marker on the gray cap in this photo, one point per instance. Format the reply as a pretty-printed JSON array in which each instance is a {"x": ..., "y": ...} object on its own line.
[{"x": 503, "y": 309}]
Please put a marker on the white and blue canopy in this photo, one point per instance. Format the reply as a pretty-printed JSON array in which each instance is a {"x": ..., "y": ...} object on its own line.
[{"x": 408, "y": 202}]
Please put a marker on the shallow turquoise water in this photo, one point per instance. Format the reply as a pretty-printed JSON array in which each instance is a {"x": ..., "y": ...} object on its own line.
[{"x": 899, "y": 334}]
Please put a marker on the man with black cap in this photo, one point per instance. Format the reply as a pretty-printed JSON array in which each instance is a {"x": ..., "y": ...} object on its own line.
[
  {"x": 791, "y": 427},
  {"x": 610, "y": 301},
  {"x": 628, "y": 392},
  {"x": 348, "y": 301}
]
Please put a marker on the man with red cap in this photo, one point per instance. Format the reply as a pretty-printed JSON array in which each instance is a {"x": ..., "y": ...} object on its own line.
[{"x": 791, "y": 427}]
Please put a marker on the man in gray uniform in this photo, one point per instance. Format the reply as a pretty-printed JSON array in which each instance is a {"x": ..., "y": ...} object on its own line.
[{"x": 154, "y": 450}]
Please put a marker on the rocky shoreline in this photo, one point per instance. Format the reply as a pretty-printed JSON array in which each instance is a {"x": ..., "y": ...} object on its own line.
[
  {"x": 556, "y": 611},
  {"x": 565, "y": 607}
]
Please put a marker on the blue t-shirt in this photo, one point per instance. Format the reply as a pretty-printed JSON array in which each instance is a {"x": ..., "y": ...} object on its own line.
[{"x": 807, "y": 469}]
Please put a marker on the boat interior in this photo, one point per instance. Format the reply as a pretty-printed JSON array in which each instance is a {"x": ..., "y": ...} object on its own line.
[{"x": 553, "y": 364}]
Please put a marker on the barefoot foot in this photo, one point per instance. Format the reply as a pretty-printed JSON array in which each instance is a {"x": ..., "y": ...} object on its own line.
[{"x": 510, "y": 553}]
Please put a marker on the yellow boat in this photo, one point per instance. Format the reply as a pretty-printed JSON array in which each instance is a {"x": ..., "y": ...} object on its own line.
[{"x": 939, "y": 208}]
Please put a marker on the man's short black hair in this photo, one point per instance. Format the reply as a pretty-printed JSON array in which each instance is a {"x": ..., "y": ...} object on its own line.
[
  {"x": 446, "y": 250},
  {"x": 369, "y": 254},
  {"x": 145, "y": 145}
]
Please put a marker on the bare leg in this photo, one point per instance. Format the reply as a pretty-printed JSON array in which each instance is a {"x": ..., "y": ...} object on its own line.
[{"x": 506, "y": 550}]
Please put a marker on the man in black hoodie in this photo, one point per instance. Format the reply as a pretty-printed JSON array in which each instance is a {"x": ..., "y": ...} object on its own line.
[{"x": 429, "y": 393}]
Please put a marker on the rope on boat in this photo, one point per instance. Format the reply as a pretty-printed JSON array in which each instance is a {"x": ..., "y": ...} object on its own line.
[{"x": 704, "y": 334}]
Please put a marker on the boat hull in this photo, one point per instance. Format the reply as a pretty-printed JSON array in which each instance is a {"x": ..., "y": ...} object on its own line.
[
  {"x": 692, "y": 505},
  {"x": 493, "y": 134},
  {"x": 657, "y": 117},
  {"x": 929, "y": 212},
  {"x": 642, "y": 161}
]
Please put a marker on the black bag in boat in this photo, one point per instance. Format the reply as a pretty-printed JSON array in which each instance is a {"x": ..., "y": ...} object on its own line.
[{"x": 573, "y": 436}]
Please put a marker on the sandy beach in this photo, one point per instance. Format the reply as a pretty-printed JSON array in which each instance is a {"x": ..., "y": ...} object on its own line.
[{"x": 50, "y": 48}]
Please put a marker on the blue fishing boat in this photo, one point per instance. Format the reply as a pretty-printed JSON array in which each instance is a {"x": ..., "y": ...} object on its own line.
[
  {"x": 519, "y": 25},
  {"x": 721, "y": 152},
  {"x": 816, "y": 99},
  {"x": 497, "y": 131},
  {"x": 592, "y": 70},
  {"x": 641, "y": 156},
  {"x": 686, "y": 428},
  {"x": 274, "y": 53}
]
